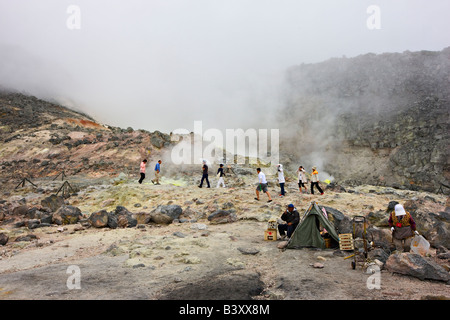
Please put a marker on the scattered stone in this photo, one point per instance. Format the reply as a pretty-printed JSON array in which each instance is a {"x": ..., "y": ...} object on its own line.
[
  {"x": 317, "y": 265},
  {"x": 3, "y": 239},
  {"x": 199, "y": 226},
  {"x": 67, "y": 215},
  {"x": 20, "y": 210},
  {"x": 53, "y": 202},
  {"x": 142, "y": 217},
  {"x": 173, "y": 211},
  {"x": 192, "y": 260},
  {"x": 236, "y": 263},
  {"x": 33, "y": 223},
  {"x": 179, "y": 234},
  {"x": 28, "y": 237},
  {"x": 282, "y": 244},
  {"x": 251, "y": 251},
  {"x": 99, "y": 219},
  {"x": 222, "y": 216}
]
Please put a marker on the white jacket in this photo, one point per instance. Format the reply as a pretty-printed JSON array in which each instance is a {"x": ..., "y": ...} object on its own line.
[
  {"x": 302, "y": 176},
  {"x": 280, "y": 174}
]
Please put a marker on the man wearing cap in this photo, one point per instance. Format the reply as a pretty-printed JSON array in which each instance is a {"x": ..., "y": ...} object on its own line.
[
  {"x": 403, "y": 228},
  {"x": 292, "y": 218}
]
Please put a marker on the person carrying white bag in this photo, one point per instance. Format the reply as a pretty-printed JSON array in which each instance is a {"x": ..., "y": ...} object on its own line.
[{"x": 403, "y": 228}]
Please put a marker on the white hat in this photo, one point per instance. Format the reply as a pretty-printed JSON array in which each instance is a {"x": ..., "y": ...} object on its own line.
[{"x": 399, "y": 210}]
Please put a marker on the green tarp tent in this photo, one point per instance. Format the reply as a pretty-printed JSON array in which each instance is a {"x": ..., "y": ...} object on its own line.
[{"x": 307, "y": 233}]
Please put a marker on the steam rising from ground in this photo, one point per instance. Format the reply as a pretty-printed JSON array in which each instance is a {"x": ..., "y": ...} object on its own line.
[{"x": 161, "y": 65}]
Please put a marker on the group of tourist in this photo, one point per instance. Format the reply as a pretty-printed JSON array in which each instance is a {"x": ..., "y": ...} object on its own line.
[
  {"x": 262, "y": 182},
  {"x": 402, "y": 225}
]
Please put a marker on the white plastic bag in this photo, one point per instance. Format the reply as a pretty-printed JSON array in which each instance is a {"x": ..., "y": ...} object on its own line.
[{"x": 420, "y": 245}]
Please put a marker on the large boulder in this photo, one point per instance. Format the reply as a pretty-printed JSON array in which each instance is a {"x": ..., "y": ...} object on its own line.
[
  {"x": 165, "y": 214},
  {"x": 174, "y": 211},
  {"x": 378, "y": 219},
  {"x": 120, "y": 218},
  {"x": 53, "y": 202},
  {"x": 67, "y": 215},
  {"x": 341, "y": 222},
  {"x": 415, "y": 265},
  {"x": 124, "y": 217},
  {"x": 3, "y": 239},
  {"x": 99, "y": 219},
  {"x": 381, "y": 237},
  {"x": 20, "y": 210},
  {"x": 160, "y": 218},
  {"x": 222, "y": 216},
  {"x": 142, "y": 217},
  {"x": 439, "y": 235}
]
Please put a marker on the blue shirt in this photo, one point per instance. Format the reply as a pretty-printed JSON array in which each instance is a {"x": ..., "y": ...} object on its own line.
[{"x": 157, "y": 167}]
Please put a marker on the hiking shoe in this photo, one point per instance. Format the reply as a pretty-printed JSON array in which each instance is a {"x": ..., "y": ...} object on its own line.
[
  {"x": 153, "y": 182},
  {"x": 256, "y": 199},
  {"x": 269, "y": 201}
]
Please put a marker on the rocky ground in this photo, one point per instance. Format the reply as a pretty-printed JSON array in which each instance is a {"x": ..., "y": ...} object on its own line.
[
  {"x": 194, "y": 255},
  {"x": 75, "y": 223}
]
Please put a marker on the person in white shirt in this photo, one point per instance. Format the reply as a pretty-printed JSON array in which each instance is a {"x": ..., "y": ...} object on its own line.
[
  {"x": 281, "y": 180},
  {"x": 262, "y": 185},
  {"x": 302, "y": 180}
]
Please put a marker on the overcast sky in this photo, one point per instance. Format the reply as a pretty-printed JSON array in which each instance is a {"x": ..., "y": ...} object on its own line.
[{"x": 161, "y": 64}]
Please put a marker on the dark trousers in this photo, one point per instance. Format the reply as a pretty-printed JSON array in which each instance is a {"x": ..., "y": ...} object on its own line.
[
  {"x": 282, "y": 188},
  {"x": 204, "y": 176},
  {"x": 142, "y": 177},
  {"x": 317, "y": 185},
  {"x": 282, "y": 228}
]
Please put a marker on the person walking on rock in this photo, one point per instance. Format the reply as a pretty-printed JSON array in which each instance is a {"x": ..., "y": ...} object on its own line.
[
  {"x": 220, "y": 174},
  {"x": 142, "y": 170},
  {"x": 403, "y": 228},
  {"x": 281, "y": 179},
  {"x": 262, "y": 185},
  {"x": 315, "y": 181},
  {"x": 157, "y": 172},
  {"x": 205, "y": 174},
  {"x": 302, "y": 180}
]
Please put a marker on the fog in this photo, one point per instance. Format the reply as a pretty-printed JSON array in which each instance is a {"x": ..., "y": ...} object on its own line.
[{"x": 161, "y": 65}]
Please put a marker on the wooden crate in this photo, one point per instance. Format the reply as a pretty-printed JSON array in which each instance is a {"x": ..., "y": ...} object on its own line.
[
  {"x": 346, "y": 241},
  {"x": 270, "y": 235}
]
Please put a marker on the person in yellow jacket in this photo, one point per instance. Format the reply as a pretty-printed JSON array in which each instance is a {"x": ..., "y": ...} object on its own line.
[{"x": 315, "y": 181}]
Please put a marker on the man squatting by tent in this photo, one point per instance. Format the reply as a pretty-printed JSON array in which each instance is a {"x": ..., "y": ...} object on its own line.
[{"x": 292, "y": 218}]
